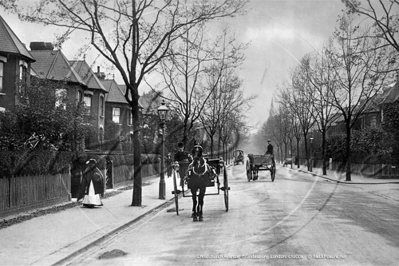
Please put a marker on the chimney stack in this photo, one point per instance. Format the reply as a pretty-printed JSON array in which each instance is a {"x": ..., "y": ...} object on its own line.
[
  {"x": 100, "y": 75},
  {"x": 38, "y": 46}
]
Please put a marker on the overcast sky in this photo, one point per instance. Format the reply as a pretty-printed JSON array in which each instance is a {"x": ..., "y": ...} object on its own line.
[{"x": 280, "y": 33}]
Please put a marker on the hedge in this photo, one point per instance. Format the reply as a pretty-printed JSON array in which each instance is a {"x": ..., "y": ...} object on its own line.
[{"x": 17, "y": 163}]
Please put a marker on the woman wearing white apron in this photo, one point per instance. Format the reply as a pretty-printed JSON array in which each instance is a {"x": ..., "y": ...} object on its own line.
[{"x": 92, "y": 185}]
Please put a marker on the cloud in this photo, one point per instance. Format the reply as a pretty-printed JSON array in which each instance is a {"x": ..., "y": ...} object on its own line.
[
  {"x": 270, "y": 31},
  {"x": 275, "y": 32}
]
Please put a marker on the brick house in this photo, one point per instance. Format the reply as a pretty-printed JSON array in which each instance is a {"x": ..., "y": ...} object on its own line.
[
  {"x": 94, "y": 97},
  {"x": 52, "y": 65},
  {"x": 15, "y": 66},
  {"x": 117, "y": 111},
  {"x": 373, "y": 114}
]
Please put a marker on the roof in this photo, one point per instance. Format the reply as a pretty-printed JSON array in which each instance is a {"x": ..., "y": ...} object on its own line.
[
  {"x": 52, "y": 64},
  {"x": 392, "y": 94},
  {"x": 115, "y": 94},
  {"x": 87, "y": 75},
  {"x": 373, "y": 104},
  {"x": 10, "y": 43}
]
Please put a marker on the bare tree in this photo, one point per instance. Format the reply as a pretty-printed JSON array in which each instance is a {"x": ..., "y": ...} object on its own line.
[
  {"x": 194, "y": 70},
  {"x": 297, "y": 133},
  {"x": 297, "y": 97},
  {"x": 362, "y": 66},
  {"x": 384, "y": 16},
  {"x": 133, "y": 35},
  {"x": 323, "y": 82},
  {"x": 225, "y": 101}
]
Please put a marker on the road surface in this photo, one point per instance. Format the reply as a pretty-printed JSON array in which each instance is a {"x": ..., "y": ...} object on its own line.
[{"x": 296, "y": 220}]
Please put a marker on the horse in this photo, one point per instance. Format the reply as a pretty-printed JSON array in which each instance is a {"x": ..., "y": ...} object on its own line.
[{"x": 199, "y": 175}]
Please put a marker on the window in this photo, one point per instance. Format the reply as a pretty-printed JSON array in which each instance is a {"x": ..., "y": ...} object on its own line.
[
  {"x": 116, "y": 113},
  {"x": 373, "y": 121},
  {"x": 23, "y": 71},
  {"x": 87, "y": 101},
  {"x": 78, "y": 97},
  {"x": 60, "y": 96},
  {"x": 2, "y": 110},
  {"x": 102, "y": 106},
  {"x": 101, "y": 133},
  {"x": 23, "y": 74}
]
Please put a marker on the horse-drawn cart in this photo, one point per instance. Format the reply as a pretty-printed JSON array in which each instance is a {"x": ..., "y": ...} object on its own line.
[
  {"x": 218, "y": 172},
  {"x": 256, "y": 163},
  {"x": 238, "y": 157}
]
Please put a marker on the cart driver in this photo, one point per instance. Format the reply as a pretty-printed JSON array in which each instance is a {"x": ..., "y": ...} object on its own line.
[
  {"x": 182, "y": 156},
  {"x": 269, "y": 150}
]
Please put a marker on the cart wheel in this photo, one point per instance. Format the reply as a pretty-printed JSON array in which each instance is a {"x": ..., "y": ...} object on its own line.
[
  {"x": 175, "y": 192},
  {"x": 249, "y": 172},
  {"x": 226, "y": 189}
]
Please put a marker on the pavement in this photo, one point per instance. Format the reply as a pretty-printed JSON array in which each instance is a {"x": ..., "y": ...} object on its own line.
[
  {"x": 53, "y": 238},
  {"x": 340, "y": 177}
]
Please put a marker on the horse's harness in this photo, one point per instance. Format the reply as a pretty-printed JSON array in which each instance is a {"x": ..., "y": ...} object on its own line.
[{"x": 205, "y": 165}]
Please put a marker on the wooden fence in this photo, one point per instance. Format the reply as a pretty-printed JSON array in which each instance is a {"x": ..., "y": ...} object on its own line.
[
  {"x": 28, "y": 192},
  {"x": 20, "y": 192}
]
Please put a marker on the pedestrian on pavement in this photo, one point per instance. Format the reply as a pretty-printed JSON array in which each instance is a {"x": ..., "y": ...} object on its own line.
[
  {"x": 169, "y": 163},
  {"x": 92, "y": 186}
]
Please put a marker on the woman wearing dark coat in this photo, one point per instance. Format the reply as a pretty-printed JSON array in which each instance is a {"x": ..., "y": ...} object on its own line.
[{"x": 92, "y": 186}]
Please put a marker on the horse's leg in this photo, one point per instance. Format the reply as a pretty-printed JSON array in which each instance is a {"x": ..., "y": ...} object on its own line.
[
  {"x": 201, "y": 202},
  {"x": 194, "y": 197}
]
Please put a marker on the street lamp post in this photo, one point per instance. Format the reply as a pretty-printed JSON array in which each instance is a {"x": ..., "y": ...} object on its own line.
[
  {"x": 162, "y": 112},
  {"x": 311, "y": 155}
]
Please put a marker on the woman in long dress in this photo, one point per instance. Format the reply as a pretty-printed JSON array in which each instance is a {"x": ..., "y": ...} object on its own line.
[{"x": 92, "y": 185}]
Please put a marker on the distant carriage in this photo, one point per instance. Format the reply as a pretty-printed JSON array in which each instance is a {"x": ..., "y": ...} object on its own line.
[
  {"x": 256, "y": 163},
  {"x": 238, "y": 157}
]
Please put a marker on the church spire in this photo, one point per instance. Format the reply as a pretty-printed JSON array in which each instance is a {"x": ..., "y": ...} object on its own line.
[{"x": 272, "y": 112}]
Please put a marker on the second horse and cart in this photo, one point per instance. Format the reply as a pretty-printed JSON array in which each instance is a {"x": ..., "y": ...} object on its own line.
[{"x": 256, "y": 163}]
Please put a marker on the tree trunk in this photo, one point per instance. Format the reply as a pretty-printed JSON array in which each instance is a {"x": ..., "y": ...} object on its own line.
[
  {"x": 348, "y": 152},
  {"x": 297, "y": 152},
  {"x": 137, "y": 178},
  {"x": 291, "y": 151},
  {"x": 285, "y": 150},
  {"x": 323, "y": 151},
  {"x": 212, "y": 145},
  {"x": 307, "y": 152},
  {"x": 185, "y": 133}
]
